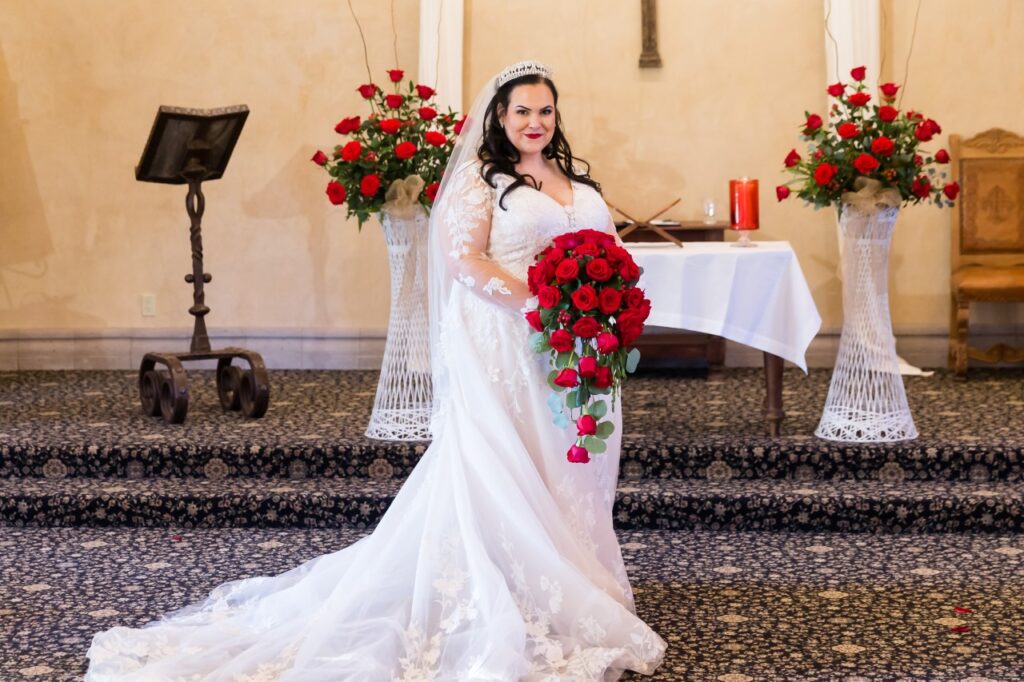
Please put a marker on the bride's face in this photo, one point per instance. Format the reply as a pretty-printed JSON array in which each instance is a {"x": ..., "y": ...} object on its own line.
[{"x": 529, "y": 120}]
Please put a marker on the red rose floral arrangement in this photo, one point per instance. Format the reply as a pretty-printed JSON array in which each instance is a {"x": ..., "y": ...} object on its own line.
[
  {"x": 589, "y": 312},
  {"x": 866, "y": 140},
  {"x": 403, "y": 135}
]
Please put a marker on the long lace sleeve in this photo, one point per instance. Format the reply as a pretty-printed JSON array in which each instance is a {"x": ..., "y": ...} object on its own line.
[{"x": 466, "y": 229}]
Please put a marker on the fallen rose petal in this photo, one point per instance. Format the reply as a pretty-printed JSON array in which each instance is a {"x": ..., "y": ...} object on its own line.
[
  {"x": 960, "y": 629},
  {"x": 963, "y": 609}
]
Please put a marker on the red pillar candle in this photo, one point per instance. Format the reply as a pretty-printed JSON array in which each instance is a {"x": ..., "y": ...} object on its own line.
[{"x": 743, "y": 204}]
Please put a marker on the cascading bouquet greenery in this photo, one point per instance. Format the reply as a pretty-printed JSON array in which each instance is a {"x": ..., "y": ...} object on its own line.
[
  {"x": 403, "y": 136},
  {"x": 866, "y": 143},
  {"x": 589, "y": 312}
]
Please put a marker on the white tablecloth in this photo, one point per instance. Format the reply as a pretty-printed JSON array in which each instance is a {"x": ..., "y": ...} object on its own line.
[{"x": 755, "y": 296}]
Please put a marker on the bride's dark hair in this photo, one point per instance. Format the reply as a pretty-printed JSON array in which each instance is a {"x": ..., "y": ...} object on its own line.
[{"x": 499, "y": 155}]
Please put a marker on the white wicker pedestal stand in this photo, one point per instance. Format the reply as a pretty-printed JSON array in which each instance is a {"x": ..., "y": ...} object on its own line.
[
  {"x": 401, "y": 409},
  {"x": 866, "y": 401}
]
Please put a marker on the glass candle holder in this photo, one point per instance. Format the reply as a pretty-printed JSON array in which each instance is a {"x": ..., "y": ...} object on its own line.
[{"x": 743, "y": 209}]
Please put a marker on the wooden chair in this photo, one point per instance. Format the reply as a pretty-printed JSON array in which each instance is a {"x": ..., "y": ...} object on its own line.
[{"x": 987, "y": 261}]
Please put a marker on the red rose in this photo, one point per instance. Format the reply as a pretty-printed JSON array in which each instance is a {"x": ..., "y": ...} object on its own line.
[
  {"x": 813, "y": 122},
  {"x": 858, "y": 73},
  {"x": 603, "y": 378},
  {"x": 568, "y": 241},
  {"x": 538, "y": 275},
  {"x": 567, "y": 378},
  {"x": 629, "y": 271},
  {"x": 634, "y": 296},
  {"x": 567, "y": 270},
  {"x": 561, "y": 341},
  {"x": 631, "y": 325},
  {"x": 319, "y": 158},
  {"x": 824, "y": 173},
  {"x": 918, "y": 160},
  {"x": 352, "y": 151},
  {"x": 578, "y": 455},
  {"x": 595, "y": 237},
  {"x": 923, "y": 132},
  {"x": 859, "y": 99},
  {"x": 616, "y": 255},
  {"x": 405, "y": 150},
  {"x": 609, "y": 300},
  {"x": 865, "y": 164},
  {"x": 396, "y": 75},
  {"x": 889, "y": 89},
  {"x": 587, "y": 367},
  {"x": 792, "y": 158},
  {"x": 424, "y": 92},
  {"x": 347, "y": 125},
  {"x": 427, "y": 114},
  {"x": 599, "y": 270},
  {"x": 554, "y": 256},
  {"x": 584, "y": 298},
  {"x": 951, "y": 189},
  {"x": 369, "y": 185},
  {"x": 887, "y": 113},
  {"x": 942, "y": 156},
  {"x": 607, "y": 343},
  {"x": 883, "y": 146},
  {"x": 586, "y": 425},
  {"x": 921, "y": 187},
  {"x": 394, "y": 101},
  {"x": 587, "y": 249},
  {"x": 848, "y": 130},
  {"x": 431, "y": 191},
  {"x": 336, "y": 192},
  {"x": 644, "y": 308},
  {"x": 836, "y": 89},
  {"x": 533, "y": 317},
  {"x": 368, "y": 90},
  {"x": 818, "y": 154},
  {"x": 933, "y": 126},
  {"x": 549, "y": 297},
  {"x": 586, "y": 328},
  {"x": 781, "y": 192},
  {"x": 390, "y": 125},
  {"x": 458, "y": 125}
]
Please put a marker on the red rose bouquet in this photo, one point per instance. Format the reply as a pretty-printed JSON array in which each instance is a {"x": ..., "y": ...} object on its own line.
[
  {"x": 865, "y": 140},
  {"x": 403, "y": 135},
  {"x": 589, "y": 313}
]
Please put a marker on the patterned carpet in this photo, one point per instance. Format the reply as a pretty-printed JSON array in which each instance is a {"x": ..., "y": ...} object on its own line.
[
  {"x": 734, "y": 607},
  {"x": 153, "y": 516}
]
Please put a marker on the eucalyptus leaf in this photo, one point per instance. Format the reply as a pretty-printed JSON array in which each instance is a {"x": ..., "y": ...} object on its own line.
[
  {"x": 563, "y": 360},
  {"x": 560, "y": 420},
  {"x": 539, "y": 342},
  {"x": 572, "y": 400},
  {"x": 598, "y": 409},
  {"x": 594, "y": 445},
  {"x": 632, "y": 360},
  {"x": 605, "y": 429},
  {"x": 555, "y": 403},
  {"x": 551, "y": 381},
  {"x": 546, "y": 315}
]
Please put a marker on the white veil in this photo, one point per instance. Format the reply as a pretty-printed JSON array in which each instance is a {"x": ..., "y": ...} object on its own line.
[{"x": 439, "y": 285}]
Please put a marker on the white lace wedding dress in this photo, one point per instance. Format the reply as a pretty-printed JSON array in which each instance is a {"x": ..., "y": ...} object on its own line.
[{"x": 496, "y": 560}]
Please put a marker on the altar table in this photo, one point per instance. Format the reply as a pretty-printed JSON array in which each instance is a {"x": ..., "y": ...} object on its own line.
[{"x": 755, "y": 296}]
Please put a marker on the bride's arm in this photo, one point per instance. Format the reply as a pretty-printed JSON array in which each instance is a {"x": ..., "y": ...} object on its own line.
[{"x": 464, "y": 235}]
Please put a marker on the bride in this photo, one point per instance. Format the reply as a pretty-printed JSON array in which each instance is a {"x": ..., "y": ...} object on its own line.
[{"x": 497, "y": 559}]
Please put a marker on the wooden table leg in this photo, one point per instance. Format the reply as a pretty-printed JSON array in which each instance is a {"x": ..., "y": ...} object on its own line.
[{"x": 773, "y": 412}]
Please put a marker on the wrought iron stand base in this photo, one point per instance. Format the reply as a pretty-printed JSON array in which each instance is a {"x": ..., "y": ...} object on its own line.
[{"x": 164, "y": 392}]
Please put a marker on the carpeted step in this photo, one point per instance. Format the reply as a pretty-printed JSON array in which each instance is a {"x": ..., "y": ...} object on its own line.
[
  {"x": 662, "y": 504},
  {"x": 88, "y": 424}
]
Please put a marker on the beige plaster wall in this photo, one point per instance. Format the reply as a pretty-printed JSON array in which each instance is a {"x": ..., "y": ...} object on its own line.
[
  {"x": 728, "y": 102},
  {"x": 80, "y": 80},
  {"x": 81, "y": 240}
]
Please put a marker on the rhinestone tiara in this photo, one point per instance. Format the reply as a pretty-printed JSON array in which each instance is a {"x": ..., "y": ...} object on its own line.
[{"x": 525, "y": 68}]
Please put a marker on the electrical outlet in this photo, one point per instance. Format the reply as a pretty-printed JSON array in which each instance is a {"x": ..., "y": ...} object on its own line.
[{"x": 149, "y": 305}]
